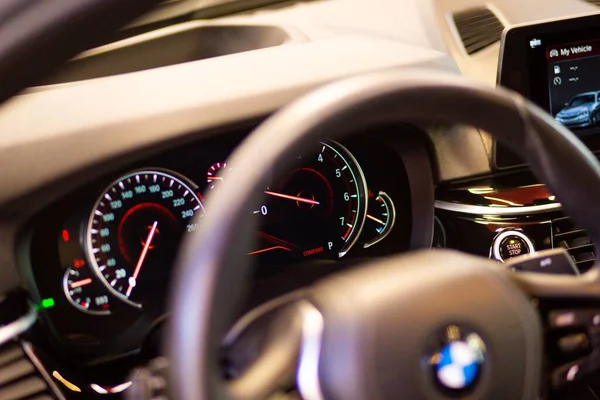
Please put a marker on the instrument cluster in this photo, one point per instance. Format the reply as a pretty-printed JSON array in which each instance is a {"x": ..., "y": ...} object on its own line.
[{"x": 104, "y": 254}]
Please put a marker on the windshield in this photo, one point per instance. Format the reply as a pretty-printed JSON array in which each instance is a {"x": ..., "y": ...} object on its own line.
[{"x": 581, "y": 100}]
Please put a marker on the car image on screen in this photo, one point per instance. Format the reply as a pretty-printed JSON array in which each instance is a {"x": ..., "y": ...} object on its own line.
[{"x": 581, "y": 111}]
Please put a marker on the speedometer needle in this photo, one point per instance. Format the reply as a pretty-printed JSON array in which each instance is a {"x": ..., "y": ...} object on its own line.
[
  {"x": 295, "y": 198},
  {"x": 138, "y": 267}
]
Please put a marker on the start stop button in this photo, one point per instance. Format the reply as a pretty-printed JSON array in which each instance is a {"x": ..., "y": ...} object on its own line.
[{"x": 511, "y": 244}]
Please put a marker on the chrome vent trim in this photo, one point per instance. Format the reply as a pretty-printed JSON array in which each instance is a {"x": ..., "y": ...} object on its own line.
[{"x": 502, "y": 211}]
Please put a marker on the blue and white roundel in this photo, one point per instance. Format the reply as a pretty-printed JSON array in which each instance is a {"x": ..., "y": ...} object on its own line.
[{"x": 458, "y": 365}]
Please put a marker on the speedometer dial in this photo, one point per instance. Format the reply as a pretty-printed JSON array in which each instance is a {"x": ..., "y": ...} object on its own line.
[
  {"x": 318, "y": 209},
  {"x": 135, "y": 229}
]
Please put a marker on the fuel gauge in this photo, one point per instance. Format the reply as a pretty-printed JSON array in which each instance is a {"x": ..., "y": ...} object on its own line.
[
  {"x": 80, "y": 285},
  {"x": 84, "y": 292},
  {"x": 381, "y": 216}
]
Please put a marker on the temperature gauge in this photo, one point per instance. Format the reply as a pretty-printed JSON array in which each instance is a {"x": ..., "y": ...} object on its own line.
[
  {"x": 83, "y": 292},
  {"x": 214, "y": 175},
  {"x": 381, "y": 216}
]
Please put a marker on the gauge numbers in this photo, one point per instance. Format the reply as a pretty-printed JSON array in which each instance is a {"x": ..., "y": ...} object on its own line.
[
  {"x": 317, "y": 209},
  {"x": 135, "y": 229}
]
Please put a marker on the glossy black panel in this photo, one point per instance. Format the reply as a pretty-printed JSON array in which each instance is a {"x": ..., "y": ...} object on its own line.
[
  {"x": 475, "y": 233},
  {"x": 504, "y": 191},
  {"x": 471, "y": 215}
]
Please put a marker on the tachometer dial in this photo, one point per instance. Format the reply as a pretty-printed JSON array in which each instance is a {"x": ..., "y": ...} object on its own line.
[
  {"x": 318, "y": 209},
  {"x": 135, "y": 228},
  {"x": 381, "y": 217},
  {"x": 84, "y": 292}
]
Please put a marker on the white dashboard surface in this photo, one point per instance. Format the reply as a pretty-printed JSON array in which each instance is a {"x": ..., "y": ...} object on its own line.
[{"x": 54, "y": 131}]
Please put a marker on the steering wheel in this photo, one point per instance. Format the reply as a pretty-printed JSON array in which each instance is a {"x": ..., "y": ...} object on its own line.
[{"x": 432, "y": 324}]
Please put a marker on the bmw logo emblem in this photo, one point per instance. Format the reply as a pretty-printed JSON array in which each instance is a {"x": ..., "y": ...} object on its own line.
[{"x": 459, "y": 360}]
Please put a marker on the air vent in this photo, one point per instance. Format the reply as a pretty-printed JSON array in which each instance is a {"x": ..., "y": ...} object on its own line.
[
  {"x": 593, "y": 2},
  {"x": 19, "y": 378},
  {"x": 576, "y": 241},
  {"x": 478, "y": 28}
]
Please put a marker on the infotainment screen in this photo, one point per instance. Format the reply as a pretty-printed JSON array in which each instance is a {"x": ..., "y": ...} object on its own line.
[
  {"x": 556, "y": 64},
  {"x": 574, "y": 84}
]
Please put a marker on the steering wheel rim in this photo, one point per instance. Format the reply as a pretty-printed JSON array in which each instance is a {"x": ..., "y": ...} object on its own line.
[{"x": 210, "y": 274}]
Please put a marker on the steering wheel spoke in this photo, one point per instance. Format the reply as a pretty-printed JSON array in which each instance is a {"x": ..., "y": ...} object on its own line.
[
  {"x": 569, "y": 306},
  {"x": 572, "y": 345},
  {"x": 561, "y": 280},
  {"x": 260, "y": 352}
]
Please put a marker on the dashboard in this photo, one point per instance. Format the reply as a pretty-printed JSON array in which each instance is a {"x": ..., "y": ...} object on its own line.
[
  {"x": 96, "y": 224},
  {"x": 103, "y": 253}
]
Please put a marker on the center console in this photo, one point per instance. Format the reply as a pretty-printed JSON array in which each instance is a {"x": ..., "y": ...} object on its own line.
[
  {"x": 555, "y": 64},
  {"x": 506, "y": 216}
]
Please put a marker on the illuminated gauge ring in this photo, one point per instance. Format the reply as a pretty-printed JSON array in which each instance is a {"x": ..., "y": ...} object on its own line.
[
  {"x": 135, "y": 228},
  {"x": 318, "y": 208},
  {"x": 382, "y": 214},
  {"x": 213, "y": 175},
  {"x": 356, "y": 184},
  {"x": 82, "y": 291}
]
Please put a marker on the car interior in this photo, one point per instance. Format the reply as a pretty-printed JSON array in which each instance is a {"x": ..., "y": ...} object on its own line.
[{"x": 299, "y": 199}]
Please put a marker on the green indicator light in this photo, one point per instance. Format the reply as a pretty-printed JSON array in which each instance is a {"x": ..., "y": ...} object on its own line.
[{"x": 47, "y": 303}]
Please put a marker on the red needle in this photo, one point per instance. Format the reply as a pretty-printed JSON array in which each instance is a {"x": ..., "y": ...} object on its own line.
[
  {"x": 82, "y": 282},
  {"x": 269, "y": 249},
  {"x": 275, "y": 240},
  {"x": 138, "y": 267},
  {"x": 295, "y": 198}
]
